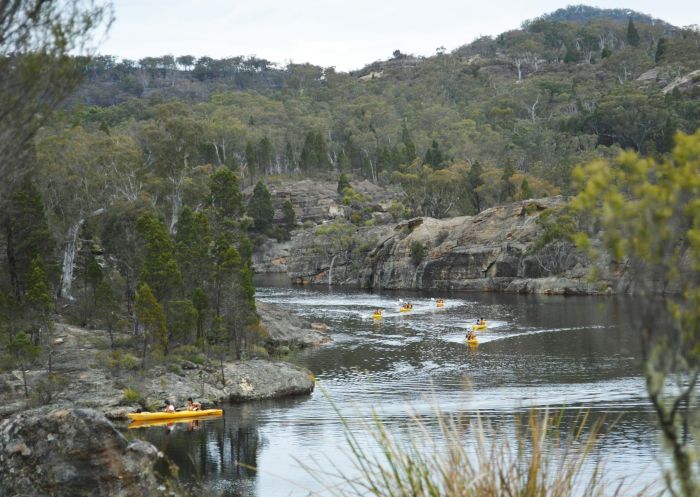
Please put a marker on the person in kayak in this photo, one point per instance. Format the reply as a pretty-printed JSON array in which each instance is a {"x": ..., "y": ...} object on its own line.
[
  {"x": 470, "y": 335},
  {"x": 193, "y": 406},
  {"x": 169, "y": 407}
]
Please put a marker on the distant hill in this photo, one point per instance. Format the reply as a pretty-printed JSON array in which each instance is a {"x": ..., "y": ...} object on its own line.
[
  {"x": 583, "y": 14},
  {"x": 568, "y": 87}
]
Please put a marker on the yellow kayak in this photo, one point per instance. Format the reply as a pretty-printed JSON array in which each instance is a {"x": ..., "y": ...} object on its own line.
[
  {"x": 474, "y": 341},
  {"x": 479, "y": 326},
  {"x": 377, "y": 316},
  {"x": 440, "y": 304},
  {"x": 149, "y": 416},
  {"x": 165, "y": 422},
  {"x": 403, "y": 309}
]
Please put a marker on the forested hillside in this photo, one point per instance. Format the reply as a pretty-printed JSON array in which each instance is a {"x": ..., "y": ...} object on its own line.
[
  {"x": 537, "y": 100},
  {"x": 127, "y": 206}
]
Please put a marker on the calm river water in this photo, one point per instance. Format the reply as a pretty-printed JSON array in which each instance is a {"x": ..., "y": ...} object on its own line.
[{"x": 557, "y": 352}]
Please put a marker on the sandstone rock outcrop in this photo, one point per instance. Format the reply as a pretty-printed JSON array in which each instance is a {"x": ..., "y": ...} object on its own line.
[
  {"x": 74, "y": 453},
  {"x": 492, "y": 251}
]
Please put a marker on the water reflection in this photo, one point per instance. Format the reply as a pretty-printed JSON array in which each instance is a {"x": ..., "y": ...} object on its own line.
[{"x": 537, "y": 352}]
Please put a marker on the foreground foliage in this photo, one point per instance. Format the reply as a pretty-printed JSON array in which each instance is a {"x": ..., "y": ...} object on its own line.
[{"x": 648, "y": 212}]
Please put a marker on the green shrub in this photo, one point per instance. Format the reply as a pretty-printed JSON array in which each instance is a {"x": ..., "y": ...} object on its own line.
[
  {"x": 557, "y": 225},
  {"x": 123, "y": 360},
  {"x": 398, "y": 211},
  {"x": 189, "y": 353},
  {"x": 417, "y": 252},
  {"x": 131, "y": 396}
]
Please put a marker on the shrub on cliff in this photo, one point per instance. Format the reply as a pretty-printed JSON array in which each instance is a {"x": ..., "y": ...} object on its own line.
[{"x": 417, "y": 252}]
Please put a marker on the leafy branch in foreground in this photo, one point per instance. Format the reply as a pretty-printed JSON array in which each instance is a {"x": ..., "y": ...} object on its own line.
[{"x": 648, "y": 214}]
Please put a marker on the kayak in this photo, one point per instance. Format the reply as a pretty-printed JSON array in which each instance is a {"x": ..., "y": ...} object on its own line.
[
  {"x": 403, "y": 309},
  {"x": 440, "y": 304},
  {"x": 165, "y": 422},
  {"x": 473, "y": 341},
  {"x": 479, "y": 326},
  {"x": 148, "y": 416},
  {"x": 377, "y": 316}
]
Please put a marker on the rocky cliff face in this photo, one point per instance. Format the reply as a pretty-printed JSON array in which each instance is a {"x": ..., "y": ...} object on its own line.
[
  {"x": 491, "y": 251},
  {"x": 74, "y": 453}
]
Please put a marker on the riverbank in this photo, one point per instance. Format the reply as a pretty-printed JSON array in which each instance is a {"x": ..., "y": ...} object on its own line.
[{"x": 87, "y": 373}]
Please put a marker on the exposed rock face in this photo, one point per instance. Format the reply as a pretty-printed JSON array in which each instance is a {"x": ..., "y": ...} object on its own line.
[
  {"x": 74, "y": 453},
  {"x": 491, "y": 251},
  {"x": 287, "y": 329}
]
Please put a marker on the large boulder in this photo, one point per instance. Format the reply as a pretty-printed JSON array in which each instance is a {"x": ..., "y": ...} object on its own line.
[
  {"x": 258, "y": 379},
  {"x": 74, "y": 453}
]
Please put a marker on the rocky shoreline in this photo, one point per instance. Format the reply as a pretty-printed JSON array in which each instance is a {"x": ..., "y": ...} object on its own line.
[{"x": 90, "y": 380}]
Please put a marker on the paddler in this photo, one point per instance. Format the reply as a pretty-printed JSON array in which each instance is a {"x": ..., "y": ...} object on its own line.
[
  {"x": 169, "y": 407},
  {"x": 470, "y": 335},
  {"x": 193, "y": 406}
]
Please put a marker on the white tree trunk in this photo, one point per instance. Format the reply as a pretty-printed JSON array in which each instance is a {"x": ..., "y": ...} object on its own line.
[
  {"x": 177, "y": 203},
  {"x": 69, "y": 259}
]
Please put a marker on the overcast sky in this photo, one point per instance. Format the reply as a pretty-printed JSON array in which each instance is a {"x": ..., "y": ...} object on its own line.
[{"x": 345, "y": 34}]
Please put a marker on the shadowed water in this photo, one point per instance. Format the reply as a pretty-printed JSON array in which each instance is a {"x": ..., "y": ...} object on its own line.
[{"x": 538, "y": 352}]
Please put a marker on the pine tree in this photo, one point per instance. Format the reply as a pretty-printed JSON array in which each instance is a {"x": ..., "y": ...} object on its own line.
[
  {"x": 265, "y": 155},
  {"x": 434, "y": 155},
  {"x": 260, "y": 208},
  {"x": 343, "y": 183},
  {"x": 314, "y": 154},
  {"x": 289, "y": 156},
  {"x": 409, "y": 147},
  {"x": 39, "y": 294},
  {"x": 226, "y": 198},
  {"x": 159, "y": 268},
  {"x": 181, "y": 318},
  {"x": 151, "y": 315},
  {"x": 632, "y": 34},
  {"x": 525, "y": 191},
  {"x": 251, "y": 159},
  {"x": 660, "y": 50},
  {"x": 474, "y": 181},
  {"x": 289, "y": 215},
  {"x": 26, "y": 237},
  {"x": 507, "y": 189},
  {"x": 192, "y": 241}
]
